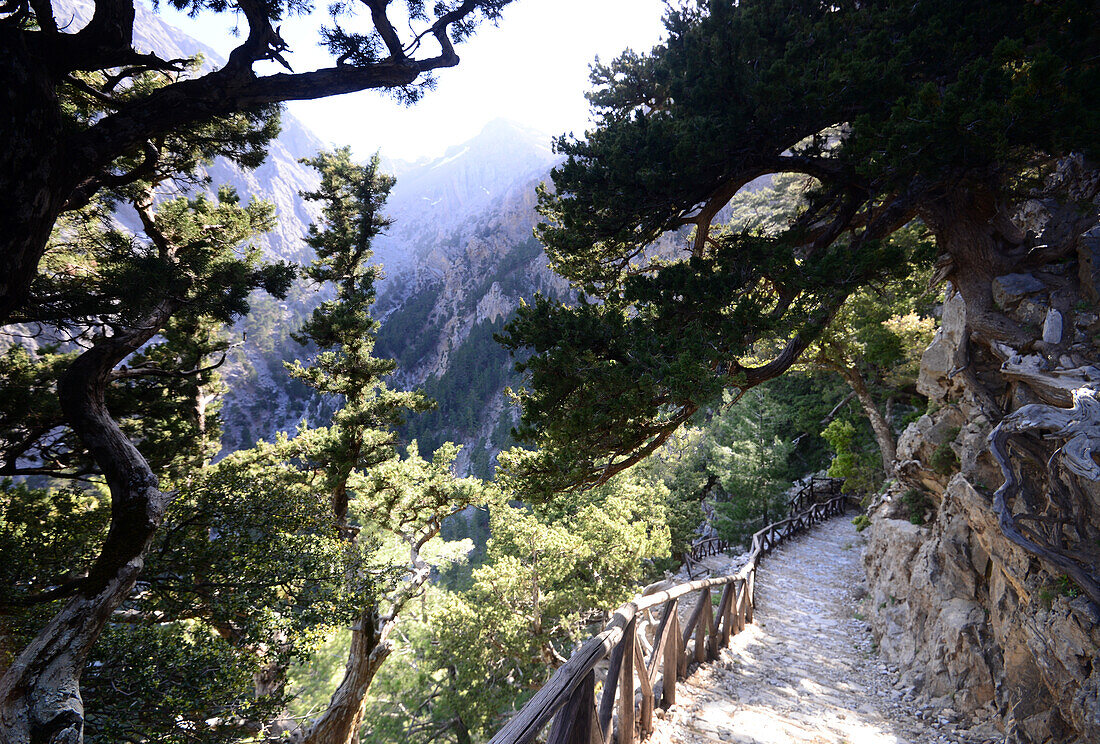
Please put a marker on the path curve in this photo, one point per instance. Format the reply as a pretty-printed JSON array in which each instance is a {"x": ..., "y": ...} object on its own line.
[{"x": 805, "y": 670}]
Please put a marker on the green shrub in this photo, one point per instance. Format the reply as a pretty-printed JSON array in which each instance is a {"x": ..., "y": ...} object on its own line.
[
  {"x": 862, "y": 522},
  {"x": 918, "y": 503},
  {"x": 944, "y": 460},
  {"x": 1067, "y": 587}
]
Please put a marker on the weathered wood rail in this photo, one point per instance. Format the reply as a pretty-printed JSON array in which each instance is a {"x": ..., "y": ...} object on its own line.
[
  {"x": 569, "y": 697},
  {"x": 814, "y": 492}
]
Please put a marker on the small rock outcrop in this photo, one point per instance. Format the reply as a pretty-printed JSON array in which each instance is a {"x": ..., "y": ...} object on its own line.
[{"x": 972, "y": 589}]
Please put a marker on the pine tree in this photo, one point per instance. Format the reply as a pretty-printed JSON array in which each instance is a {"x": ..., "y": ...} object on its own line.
[
  {"x": 939, "y": 110},
  {"x": 81, "y": 116},
  {"x": 387, "y": 507}
]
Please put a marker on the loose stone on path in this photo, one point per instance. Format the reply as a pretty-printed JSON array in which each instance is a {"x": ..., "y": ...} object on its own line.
[{"x": 806, "y": 670}]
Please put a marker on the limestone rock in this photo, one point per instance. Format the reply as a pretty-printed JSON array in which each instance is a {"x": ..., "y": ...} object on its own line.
[
  {"x": 1052, "y": 327},
  {"x": 1030, "y": 312},
  {"x": 938, "y": 361},
  {"x": 494, "y": 304},
  {"x": 1009, "y": 289}
]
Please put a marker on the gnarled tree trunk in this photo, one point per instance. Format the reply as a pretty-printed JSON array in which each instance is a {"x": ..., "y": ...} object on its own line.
[
  {"x": 981, "y": 244},
  {"x": 369, "y": 648},
  {"x": 40, "y": 692}
]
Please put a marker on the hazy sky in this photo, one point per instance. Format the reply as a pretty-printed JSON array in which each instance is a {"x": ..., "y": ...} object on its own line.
[{"x": 532, "y": 68}]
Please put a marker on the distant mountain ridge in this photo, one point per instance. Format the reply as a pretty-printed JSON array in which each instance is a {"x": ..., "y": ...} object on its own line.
[
  {"x": 466, "y": 223},
  {"x": 458, "y": 260},
  {"x": 433, "y": 198}
]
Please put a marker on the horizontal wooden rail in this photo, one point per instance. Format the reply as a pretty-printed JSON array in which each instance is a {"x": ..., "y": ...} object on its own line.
[
  {"x": 569, "y": 697},
  {"x": 818, "y": 490}
]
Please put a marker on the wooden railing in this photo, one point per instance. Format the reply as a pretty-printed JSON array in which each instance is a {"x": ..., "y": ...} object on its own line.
[
  {"x": 814, "y": 492},
  {"x": 569, "y": 697},
  {"x": 701, "y": 549}
]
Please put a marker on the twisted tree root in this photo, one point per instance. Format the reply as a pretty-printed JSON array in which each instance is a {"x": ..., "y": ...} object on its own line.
[{"x": 1080, "y": 427}]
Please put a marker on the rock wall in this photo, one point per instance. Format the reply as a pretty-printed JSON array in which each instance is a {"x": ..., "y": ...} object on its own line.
[{"x": 973, "y": 620}]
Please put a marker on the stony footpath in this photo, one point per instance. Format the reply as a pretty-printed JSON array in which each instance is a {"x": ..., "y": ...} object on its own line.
[{"x": 807, "y": 669}]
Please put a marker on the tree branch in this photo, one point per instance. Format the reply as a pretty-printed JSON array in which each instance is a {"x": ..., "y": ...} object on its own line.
[
  {"x": 129, "y": 373},
  {"x": 263, "y": 41}
]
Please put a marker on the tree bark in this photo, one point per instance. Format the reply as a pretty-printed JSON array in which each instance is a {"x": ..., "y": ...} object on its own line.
[
  {"x": 40, "y": 692},
  {"x": 884, "y": 435},
  {"x": 369, "y": 648},
  {"x": 982, "y": 243}
]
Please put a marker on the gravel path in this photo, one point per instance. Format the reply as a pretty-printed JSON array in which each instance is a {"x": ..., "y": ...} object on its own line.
[{"x": 806, "y": 670}]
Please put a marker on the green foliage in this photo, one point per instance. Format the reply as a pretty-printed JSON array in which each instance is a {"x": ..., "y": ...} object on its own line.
[
  {"x": 174, "y": 684},
  {"x": 47, "y": 538},
  {"x": 944, "y": 460},
  {"x": 253, "y": 547},
  {"x": 743, "y": 456},
  {"x": 549, "y": 572},
  {"x": 862, "y": 522},
  {"x": 918, "y": 505},
  {"x": 342, "y": 329},
  {"x": 247, "y": 554},
  {"x": 186, "y": 278},
  {"x": 887, "y": 106},
  {"x": 1067, "y": 588},
  {"x": 247, "y": 575},
  {"x": 854, "y": 457},
  {"x": 750, "y": 462},
  {"x": 1062, "y": 586}
]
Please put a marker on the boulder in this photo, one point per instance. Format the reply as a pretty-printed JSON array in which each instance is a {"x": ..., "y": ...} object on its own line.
[
  {"x": 935, "y": 380},
  {"x": 1052, "y": 327},
  {"x": 1009, "y": 289}
]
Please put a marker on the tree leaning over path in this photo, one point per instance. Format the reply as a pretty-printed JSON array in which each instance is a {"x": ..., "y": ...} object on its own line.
[
  {"x": 938, "y": 110},
  {"x": 55, "y": 160}
]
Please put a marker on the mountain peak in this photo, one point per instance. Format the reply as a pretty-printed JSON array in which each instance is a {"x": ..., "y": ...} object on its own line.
[
  {"x": 500, "y": 137},
  {"x": 512, "y": 129}
]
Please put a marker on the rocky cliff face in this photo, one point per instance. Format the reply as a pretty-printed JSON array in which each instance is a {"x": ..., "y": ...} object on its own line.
[
  {"x": 439, "y": 315},
  {"x": 981, "y": 596}
]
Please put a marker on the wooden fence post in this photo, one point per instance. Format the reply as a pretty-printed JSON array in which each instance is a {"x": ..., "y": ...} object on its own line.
[
  {"x": 749, "y": 594},
  {"x": 626, "y": 685},
  {"x": 671, "y": 662},
  {"x": 610, "y": 684},
  {"x": 725, "y": 615},
  {"x": 742, "y": 597},
  {"x": 576, "y": 723},
  {"x": 702, "y": 628},
  {"x": 645, "y": 713}
]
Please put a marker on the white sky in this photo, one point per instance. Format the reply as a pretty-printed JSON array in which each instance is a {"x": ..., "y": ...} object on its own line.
[{"x": 532, "y": 69}]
